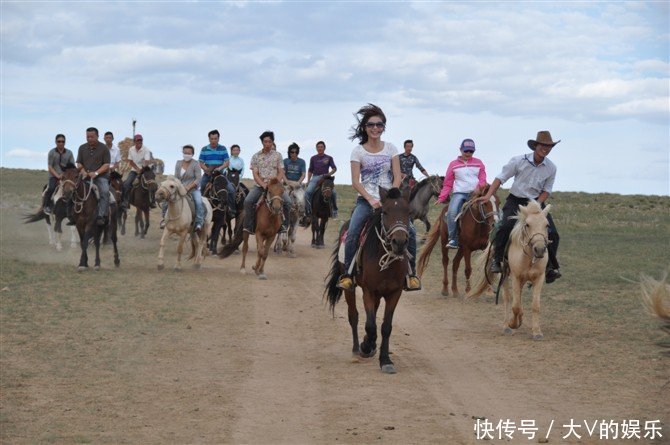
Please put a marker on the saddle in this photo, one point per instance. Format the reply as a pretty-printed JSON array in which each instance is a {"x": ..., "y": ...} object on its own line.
[{"x": 361, "y": 242}]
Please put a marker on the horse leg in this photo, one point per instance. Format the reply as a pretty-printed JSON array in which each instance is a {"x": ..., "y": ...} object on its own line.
[
  {"x": 535, "y": 322},
  {"x": 161, "y": 249},
  {"x": 322, "y": 231},
  {"x": 73, "y": 237},
  {"x": 369, "y": 344},
  {"x": 385, "y": 362},
  {"x": 245, "y": 248},
  {"x": 445, "y": 269},
  {"x": 264, "y": 257},
  {"x": 180, "y": 250},
  {"x": 426, "y": 223},
  {"x": 146, "y": 222},
  {"x": 138, "y": 221},
  {"x": 117, "y": 260},
  {"x": 507, "y": 293},
  {"x": 83, "y": 259},
  {"x": 315, "y": 222},
  {"x": 350, "y": 297},
  {"x": 97, "y": 235},
  {"x": 52, "y": 235},
  {"x": 517, "y": 309},
  {"x": 467, "y": 253},
  {"x": 122, "y": 220},
  {"x": 454, "y": 271}
]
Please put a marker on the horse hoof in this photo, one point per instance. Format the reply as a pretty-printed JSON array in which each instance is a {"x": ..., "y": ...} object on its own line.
[
  {"x": 445, "y": 293},
  {"x": 292, "y": 255},
  {"x": 243, "y": 271},
  {"x": 262, "y": 277},
  {"x": 117, "y": 263},
  {"x": 96, "y": 268},
  {"x": 388, "y": 369},
  {"x": 59, "y": 248},
  {"x": 177, "y": 268},
  {"x": 160, "y": 267},
  {"x": 508, "y": 330},
  {"x": 368, "y": 355},
  {"x": 538, "y": 337},
  {"x": 82, "y": 268},
  {"x": 197, "y": 266}
]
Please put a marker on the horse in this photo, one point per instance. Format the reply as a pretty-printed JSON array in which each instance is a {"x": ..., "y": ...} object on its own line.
[
  {"x": 216, "y": 193},
  {"x": 142, "y": 197},
  {"x": 286, "y": 241},
  {"x": 59, "y": 213},
  {"x": 116, "y": 187},
  {"x": 241, "y": 192},
  {"x": 381, "y": 272},
  {"x": 656, "y": 298},
  {"x": 475, "y": 223},
  {"x": 85, "y": 208},
  {"x": 419, "y": 198},
  {"x": 179, "y": 220},
  {"x": 526, "y": 262},
  {"x": 269, "y": 214},
  {"x": 321, "y": 209}
]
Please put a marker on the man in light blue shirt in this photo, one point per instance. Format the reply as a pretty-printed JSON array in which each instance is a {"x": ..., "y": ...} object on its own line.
[{"x": 235, "y": 162}]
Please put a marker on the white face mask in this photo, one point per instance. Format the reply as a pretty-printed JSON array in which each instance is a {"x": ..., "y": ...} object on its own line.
[{"x": 188, "y": 157}]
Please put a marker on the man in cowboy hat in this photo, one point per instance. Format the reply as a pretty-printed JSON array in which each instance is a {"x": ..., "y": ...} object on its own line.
[{"x": 533, "y": 179}]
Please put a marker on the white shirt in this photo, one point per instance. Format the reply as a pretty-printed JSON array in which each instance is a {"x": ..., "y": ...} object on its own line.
[
  {"x": 114, "y": 156},
  {"x": 138, "y": 156},
  {"x": 376, "y": 170}
]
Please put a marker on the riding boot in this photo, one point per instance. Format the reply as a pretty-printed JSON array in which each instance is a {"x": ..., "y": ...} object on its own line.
[{"x": 45, "y": 204}]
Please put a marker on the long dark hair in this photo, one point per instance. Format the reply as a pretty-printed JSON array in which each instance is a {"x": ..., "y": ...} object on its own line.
[{"x": 362, "y": 117}]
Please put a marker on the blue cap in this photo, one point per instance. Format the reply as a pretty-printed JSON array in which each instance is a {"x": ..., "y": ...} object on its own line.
[{"x": 468, "y": 144}]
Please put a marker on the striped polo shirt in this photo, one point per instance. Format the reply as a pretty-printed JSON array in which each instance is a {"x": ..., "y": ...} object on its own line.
[{"x": 213, "y": 156}]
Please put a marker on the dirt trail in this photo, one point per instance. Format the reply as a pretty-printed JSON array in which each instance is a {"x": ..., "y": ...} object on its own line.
[{"x": 265, "y": 362}]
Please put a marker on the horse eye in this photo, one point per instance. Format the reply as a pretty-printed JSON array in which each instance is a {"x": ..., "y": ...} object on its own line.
[{"x": 527, "y": 226}]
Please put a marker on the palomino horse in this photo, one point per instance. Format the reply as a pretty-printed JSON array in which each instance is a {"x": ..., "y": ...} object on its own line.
[
  {"x": 286, "y": 241},
  {"x": 241, "y": 192},
  {"x": 142, "y": 197},
  {"x": 381, "y": 272},
  {"x": 475, "y": 223},
  {"x": 59, "y": 213},
  {"x": 179, "y": 220},
  {"x": 269, "y": 213},
  {"x": 526, "y": 262},
  {"x": 321, "y": 209},
  {"x": 216, "y": 193},
  {"x": 85, "y": 208},
  {"x": 419, "y": 198}
]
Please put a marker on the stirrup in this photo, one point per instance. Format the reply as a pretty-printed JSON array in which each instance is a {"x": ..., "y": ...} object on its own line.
[
  {"x": 346, "y": 282},
  {"x": 412, "y": 283}
]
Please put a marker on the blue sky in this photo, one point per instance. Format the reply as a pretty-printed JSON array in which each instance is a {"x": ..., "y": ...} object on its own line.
[{"x": 595, "y": 74}]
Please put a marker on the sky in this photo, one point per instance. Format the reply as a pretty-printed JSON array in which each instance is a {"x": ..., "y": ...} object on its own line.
[{"x": 594, "y": 74}]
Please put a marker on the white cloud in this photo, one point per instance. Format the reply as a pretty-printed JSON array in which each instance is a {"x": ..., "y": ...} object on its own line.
[{"x": 24, "y": 153}]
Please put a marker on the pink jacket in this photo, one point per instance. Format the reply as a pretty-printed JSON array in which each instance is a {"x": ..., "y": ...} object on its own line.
[{"x": 463, "y": 177}]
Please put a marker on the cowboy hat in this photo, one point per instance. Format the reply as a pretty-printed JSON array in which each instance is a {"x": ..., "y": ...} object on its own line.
[{"x": 544, "y": 138}]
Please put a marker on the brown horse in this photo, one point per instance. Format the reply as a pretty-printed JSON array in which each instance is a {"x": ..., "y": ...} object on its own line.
[
  {"x": 269, "y": 213},
  {"x": 474, "y": 226},
  {"x": 142, "y": 196},
  {"x": 321, "y": 209},
  {"x": 85, "y": 208},
  {"x": 241, "y": 192},
  {"x": 381, "y": 273},
  {"x": 116, "y": 188}
]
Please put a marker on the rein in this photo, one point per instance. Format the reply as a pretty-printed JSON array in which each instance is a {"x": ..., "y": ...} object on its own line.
[
  {"x": 268, "y": 203},
  {"x": 172, "y": 198},
  {"x": 485, "y": 216},
  {"x": 80, "y": 200},
  {"x": 389, "y": 256},
  {"x": 145, "y": 183},
  {"x": 529, "y": 243}
]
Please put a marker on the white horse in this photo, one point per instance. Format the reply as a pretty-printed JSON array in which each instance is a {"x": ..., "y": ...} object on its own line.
[
  {"x": 286, "y": 241},
  {"x": 526, "y": 263},
  {"x": 179, "y": 220}
]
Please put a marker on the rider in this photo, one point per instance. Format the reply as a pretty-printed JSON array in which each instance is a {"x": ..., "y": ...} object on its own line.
[
  {"x": 235, "y": 160},
  {"x": 265, "y": 165},
  {"x": 58, "y": 158},
  {"x": 374, "y": 164},
  {"x": 188, "y": 172},
  {"x": 294, "y": 167},
  {"x": 114, "y": 152},
  {"x": 214, "y": 156},
  {"x": 320, "y": 165},
  {"x": 93, "y": 161},
  {"x": 465, "y": 175},
  {"x": 139, "y": 157},
  {"x": 533, "y": 179},
  {"x": 407, "y": 163}
]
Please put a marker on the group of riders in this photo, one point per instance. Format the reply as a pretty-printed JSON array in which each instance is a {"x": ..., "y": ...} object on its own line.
[{"x": 374, "y": 164}]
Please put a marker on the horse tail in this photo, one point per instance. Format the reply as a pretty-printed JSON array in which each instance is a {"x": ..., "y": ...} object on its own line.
[
  {"x": 432, "y": 238},
  {"x": 480, "y": 276},
  {"x": 656, "y": 298},
  {"x": 228, "y": 249},
  {"x": 34, "y": 217},
  {"x": 332, "y": 292}
]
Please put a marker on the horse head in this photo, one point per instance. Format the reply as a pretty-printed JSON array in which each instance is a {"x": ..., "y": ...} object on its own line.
[
  {"x": 327, "y": 184},
  {"x": 219, "y": 189},
  {"x": 274, "y": 198},
  {"x": 436, "y": 183},
  {"x": 170, "y": 189},
  {"x": 395, "y": 218},
  {"x": 532, "y": 228},
  {"x": 297, "y": 193},
  {"x": 233, "y": 176},
  {"x": 69, "y": 181}
]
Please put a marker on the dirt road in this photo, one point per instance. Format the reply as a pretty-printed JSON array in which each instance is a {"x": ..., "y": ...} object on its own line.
[{"x": 212, "y": 356}]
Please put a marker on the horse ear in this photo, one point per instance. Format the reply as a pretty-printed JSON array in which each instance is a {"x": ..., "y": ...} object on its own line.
[
  {"x": 545, "y": 211},
  {"x": 523, "y": 210},
  {"x": 382, "y": 193}
]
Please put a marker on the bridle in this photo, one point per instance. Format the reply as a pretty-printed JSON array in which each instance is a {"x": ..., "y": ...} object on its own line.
[
  {"x": 485, "y": 216},
  {"x": 77, "y": 200},
  {"x": 435, "y": 185},
  {"x": 268, "y": 202},
  {"x": 324, "y": 189},
  {"x": 384, "y": 237},
  {"x": 173, "y": 197},
  {"x": 529, "y": 244},
  {"x": 145, "y": 183},
  {"x": 217, "y": 202}
]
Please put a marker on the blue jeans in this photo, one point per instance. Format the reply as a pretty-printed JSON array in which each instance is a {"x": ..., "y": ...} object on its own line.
[
  {"x": 103, "y": 187},
  {"x": 250, "y": 207},
  {"x": 230, "y": 187},
  {"x": 128, "y": 184},
  {"x": 309, "y": 191},
  {"x": 455, "y": 204},
  {"x": 199, "y": 207},
  {"x": 361, "y": 213}
]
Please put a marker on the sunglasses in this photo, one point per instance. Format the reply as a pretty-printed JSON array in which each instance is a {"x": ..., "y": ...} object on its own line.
[
  {"x": 292, "y": 152},
  {"x": 60, "y": 141},
  {"x": 139, "y": 140},
  {"x": 468, "y": 151},
  {"x": 381, "y": 125}
]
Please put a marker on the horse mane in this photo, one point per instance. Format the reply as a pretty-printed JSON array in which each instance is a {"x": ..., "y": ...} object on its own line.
[
  {"x": 146, "y": 168},
  {"x": 420, "y": 185},
  {"x": 69, "y": 166},
  {"x": 115, "y": 175},
  {"x": 324, "y": 179},
  {"x": 517, "y": 231},
  {"x": 273, "y": 181},
  {"x": 373, "y": 222},
  {"x": 394, "y": 193}
]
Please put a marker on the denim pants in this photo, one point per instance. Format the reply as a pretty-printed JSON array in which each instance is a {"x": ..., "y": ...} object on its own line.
[
  {"x": 455, "y": 203},
  {"x": 230, "y": 187},
  {"x": 309, "y": 191},
  {"x": 250, "y": 207},
  {"x": 361, "y": 213},
  {"x": 53, "y": 182},
  {"x": 199, "y": 207},
  {"x": 128, "y": 184},
  {"x": 103, "y": 187}
]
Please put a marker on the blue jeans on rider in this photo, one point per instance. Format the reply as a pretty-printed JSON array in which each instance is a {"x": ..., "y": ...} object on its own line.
[
  {"x": 250, "y": 201},
  {"x": 361, "y": 213},
  {"x": 455, "y": 204},
  {"x": 231, "y": 191},
  {"x": 309, "y": 191},
  {"x": 199, "y": 207},
  {"x": 103, "y": 187}
]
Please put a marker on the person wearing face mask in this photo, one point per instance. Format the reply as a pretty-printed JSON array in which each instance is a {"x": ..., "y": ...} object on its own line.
[
  {"x": 465, "y": 175},
  {"x": 188, "y": 172}
]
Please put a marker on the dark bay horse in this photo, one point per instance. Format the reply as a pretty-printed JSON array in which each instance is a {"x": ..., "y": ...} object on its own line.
[
  {"x": 321, "y": 209},
  {"x": 380, "y": 273},
  {"x": 241, "y": 192},
  {"x": 116, "y": 188},
  {"x": 474, "y": 226},
  {"x": 142, "y": 196},
  {"x": 419, "y": 198},
  {"x": 216, "y": 192},
  {"x": 85, "y": 208},
  {"x": 269, "y": 213}
]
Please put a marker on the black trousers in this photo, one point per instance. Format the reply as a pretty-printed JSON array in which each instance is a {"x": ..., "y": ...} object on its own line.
[
  {"x": 510, "y": 209},
  {"x": 53, "y": 182}
]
